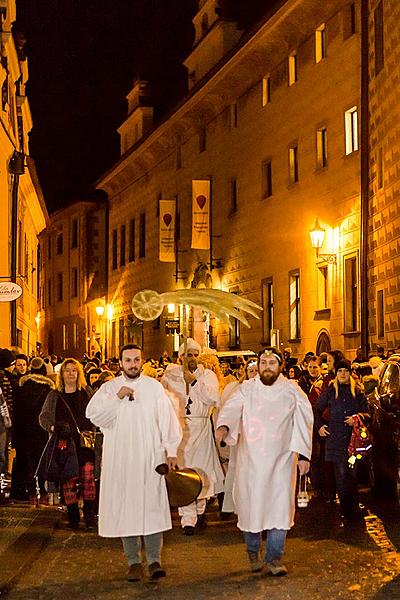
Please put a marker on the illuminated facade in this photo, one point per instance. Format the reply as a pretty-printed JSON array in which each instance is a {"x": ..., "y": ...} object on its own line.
[
  {"x": 272, "y": 119},
  {"x": 23, "y": 212}
]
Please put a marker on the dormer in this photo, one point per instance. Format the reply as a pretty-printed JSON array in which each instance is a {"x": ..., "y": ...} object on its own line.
[
  {"x": 140, "y": 116},
  {"x": 215, "y": 35}
]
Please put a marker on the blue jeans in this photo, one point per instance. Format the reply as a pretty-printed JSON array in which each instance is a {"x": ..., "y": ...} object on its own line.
[
  {"x": 133, "y": 545},
  {"x": 275, "y": 545}
]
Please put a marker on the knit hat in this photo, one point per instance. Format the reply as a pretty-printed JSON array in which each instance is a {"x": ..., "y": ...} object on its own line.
[
  {"x": 7, "y": 358},
  {"x": 37, "y": 366},
  {"x": 343, "y": 364}
]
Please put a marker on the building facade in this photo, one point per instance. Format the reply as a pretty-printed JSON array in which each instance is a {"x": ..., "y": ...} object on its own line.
[
  {"x": 73, "y": 279},
  {"x": 23, "y": 213},
  {"x": 272, "y": 121}
]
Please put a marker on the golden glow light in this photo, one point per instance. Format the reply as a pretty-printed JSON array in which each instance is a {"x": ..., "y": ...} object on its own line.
[
  {"x": 110, "y": 311},
  {"x": 171, "y": 308},
  {"x": 100, "y": 310},
  {"x": 317, "y": 236}
]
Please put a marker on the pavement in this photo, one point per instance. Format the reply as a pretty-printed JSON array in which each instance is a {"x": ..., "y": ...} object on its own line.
[{"x": 40, "y": 559}]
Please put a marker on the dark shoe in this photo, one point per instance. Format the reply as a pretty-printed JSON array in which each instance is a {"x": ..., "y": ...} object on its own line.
[
  {"x": 201, "y": 521},
  {"x": 255, "y": 561},
  {"x": 135, "y": 572},
  {"x": 276, "y": 568},
  {"x": 188, "y": 530},
  {"x": 156, "y": 571}
]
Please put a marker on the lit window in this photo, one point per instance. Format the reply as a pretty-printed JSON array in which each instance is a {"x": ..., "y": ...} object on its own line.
[
  {"x": 292, "y": 69},
  {"x": 322, "y": 287},
  {"x": 320, "y": 43},
  {"x": 64, "y": 337},
  {"x": 322, "y": 149},
  {"x": 266, "y": 90},
  {"x": 294, "y": 305},
  {"x": 293, "y": 164},
  {"x": 351, "y": 129}
]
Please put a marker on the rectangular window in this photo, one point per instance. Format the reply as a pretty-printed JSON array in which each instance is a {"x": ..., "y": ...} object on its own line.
[
  {"x": 379, "y": 168},
  {"x": 380, "y": 314},
  {"x": 320, "y": 43},
  {"x": 349, "y": 21},
  {"x": 74, "y": 282},
  {"x": 74, "y": 233},
  {"x": 49, "y": 247},
  {"x": 292, "y": 66},
  {"x": 114, "y": 249},
  {"x": 60, "y": 244},
  {"x": 293, "y": 164},
  {"x": 202, "y": 139},
  {"x": 75, "y": 335},
  {"x": 49, "y": 293},
  {"x": 233, "y": 196},
  {"x": 142, "y": 235},
  {"x": 322, "y": 287},
  {"x": 266, "y": 90},
  {"x": 122, "y": 245},
  {"x": 131, "y": 240},
  {"x": 351, "y": 130},
  {"x": 294, "y": 305},
  {"x": 267, "y": 302},
  {"x": 233, "y": 116},
  {"x": 121, "y": 332},
  {"x": 178, "y": 157},
  {"x": 322, "y": 148},
  {"x": 351, "y": 293},
  {"x": 60, "y": 291},
  {"x": 64, "y": 337},
  {"x": 378, "y": 38},
  {"x": 266, "y": 179}
]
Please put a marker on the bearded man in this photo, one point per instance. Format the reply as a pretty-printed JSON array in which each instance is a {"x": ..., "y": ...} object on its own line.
[
  {"x": 274, "y": 419},
  {"x": 141, "y": 431}
]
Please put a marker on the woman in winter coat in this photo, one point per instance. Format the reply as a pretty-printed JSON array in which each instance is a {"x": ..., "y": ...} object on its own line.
[
  {"x": 343, "y": 399},
  {"x": 28, "y": 437},
  {"x": 63, "y": 413}
]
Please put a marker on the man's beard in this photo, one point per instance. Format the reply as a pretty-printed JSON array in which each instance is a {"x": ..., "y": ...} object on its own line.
[
  {"x": 268, "y": 377},
  {"x": 133, "y": 374}
]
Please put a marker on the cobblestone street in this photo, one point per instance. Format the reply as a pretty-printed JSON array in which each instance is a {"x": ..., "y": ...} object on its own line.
[{"x": 324, "y": 561}]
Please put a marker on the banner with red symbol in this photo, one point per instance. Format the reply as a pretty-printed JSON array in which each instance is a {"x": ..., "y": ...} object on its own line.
[
  {"x": 167, "y": 230},
  {"x": 201, "y": 214}
]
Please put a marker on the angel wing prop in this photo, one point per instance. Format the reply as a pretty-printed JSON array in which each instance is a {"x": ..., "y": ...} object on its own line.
[{"x": 148, "y": 305}]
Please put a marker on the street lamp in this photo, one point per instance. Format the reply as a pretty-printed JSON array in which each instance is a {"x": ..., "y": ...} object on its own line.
[
  {"x": 100, "y": 310},
  {"x": 317, "y": 235}
]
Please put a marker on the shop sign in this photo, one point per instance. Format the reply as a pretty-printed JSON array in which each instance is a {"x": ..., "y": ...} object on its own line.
[
  {"x": 9, "y": 291},
  {"x": 171, "y": 326}
]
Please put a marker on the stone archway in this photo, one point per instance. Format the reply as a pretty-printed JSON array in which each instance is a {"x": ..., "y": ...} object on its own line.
[{"x": 323, "y": 343}]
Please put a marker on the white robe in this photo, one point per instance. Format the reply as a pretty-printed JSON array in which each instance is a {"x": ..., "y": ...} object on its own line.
[
  {"x": 197, "y": 449},
  {"x": 138, "y": 435},
  {"x": 275, "y": 423}
]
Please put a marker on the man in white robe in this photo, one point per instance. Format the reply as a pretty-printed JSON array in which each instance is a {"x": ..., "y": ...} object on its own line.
[
  {"x": 270, "y": 419},
  {"x": 196, "y": 391},
  {"x": 141, "y": 431}
]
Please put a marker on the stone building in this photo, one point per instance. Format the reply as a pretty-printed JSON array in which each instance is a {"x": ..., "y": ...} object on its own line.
[
  {"x": 384, "y": 174},
  {"x": 23, "y": 212},
  {"x": 272, "y": 121},
  {"x": 73, "y": 279}
]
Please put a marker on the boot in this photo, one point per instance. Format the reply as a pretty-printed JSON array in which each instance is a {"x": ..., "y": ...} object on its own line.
[
  {"x": 73, "y": 515},
  {"x": 89, "y": 513}
]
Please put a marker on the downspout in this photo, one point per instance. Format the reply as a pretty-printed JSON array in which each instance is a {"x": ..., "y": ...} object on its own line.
[{"x": 364, "y": 160}]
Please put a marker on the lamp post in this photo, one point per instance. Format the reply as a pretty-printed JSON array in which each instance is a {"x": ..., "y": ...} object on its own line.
[{"x": 317, "y": 235}]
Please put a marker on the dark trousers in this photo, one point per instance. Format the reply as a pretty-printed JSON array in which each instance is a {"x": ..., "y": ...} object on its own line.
[{"x": 346, "y": 485}]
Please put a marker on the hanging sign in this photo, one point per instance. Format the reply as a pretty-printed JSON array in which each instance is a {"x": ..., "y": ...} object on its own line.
[
  {"x": 9, "y": 291},
  {"x": 167, "y": 230},
  {"x": 201, "y": 214}
]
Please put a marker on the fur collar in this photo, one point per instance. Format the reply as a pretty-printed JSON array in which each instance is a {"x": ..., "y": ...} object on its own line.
[{"x": 37, "y": 379}]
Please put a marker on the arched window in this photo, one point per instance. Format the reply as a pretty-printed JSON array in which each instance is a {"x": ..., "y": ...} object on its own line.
[{"x": 323, "y": 343}]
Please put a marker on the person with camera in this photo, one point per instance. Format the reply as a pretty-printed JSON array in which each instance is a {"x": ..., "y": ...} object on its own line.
[
  {"x": 63, "y": 413},
  {"x": 335, "y": 412},
  {"x": 275, "y": 420},
  {"x": 141, "y": 431}
]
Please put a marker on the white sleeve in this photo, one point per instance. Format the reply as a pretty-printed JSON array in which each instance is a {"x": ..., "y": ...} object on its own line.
[
  {"x": 103, "y": 407},
  {"x": 231, "y": 416},
  {"x": 171, "y": 433},
  {"x": 206, "y": 388},
  {"x": 303, "y": 419}
]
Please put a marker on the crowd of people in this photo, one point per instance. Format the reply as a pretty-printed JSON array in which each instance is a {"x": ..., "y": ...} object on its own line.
[{"x": 92, "y": 434}]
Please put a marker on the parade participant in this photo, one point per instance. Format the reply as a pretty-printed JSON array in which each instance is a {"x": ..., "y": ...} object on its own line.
[
  {"x": 64, "y": 409},
  {"x": 5, "y": 424},
  {"x": 344, "y": 399},
  {"x": 140, "y": 431},
  {"x": 21, "y": 365},
  {"x": 275, "y": 420},
  {"x": 196, "y": 389},
  {"x": 7, "y": 383}
]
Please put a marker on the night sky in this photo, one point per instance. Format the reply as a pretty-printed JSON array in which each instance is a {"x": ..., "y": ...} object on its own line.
[{"x": 83, "y": 58}]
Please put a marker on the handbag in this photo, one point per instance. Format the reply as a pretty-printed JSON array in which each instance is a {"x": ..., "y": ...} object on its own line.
[
  {"x": 302, "y": 494},
  {"x": 360, "y": 441},
  {"x": 87, "y": 438}
]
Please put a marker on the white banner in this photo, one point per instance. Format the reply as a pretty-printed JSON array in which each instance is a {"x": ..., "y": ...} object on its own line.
[
  {"x": 201, "y": 214},
  {"x": 167, "y": 230}
]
